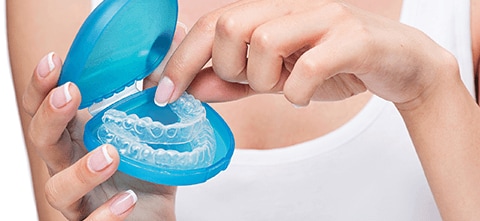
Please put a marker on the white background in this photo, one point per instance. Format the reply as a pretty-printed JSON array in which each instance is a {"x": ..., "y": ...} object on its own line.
[{"x": 16, "y": 194}]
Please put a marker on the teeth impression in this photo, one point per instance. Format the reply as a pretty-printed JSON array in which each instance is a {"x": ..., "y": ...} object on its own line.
[{"x": 187, "y": 144}]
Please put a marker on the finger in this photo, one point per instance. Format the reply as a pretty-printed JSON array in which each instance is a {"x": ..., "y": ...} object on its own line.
[
  {"x": 66, "y": 187},
  {"x": 337, "y": 48},
  {"x": 47, "y": 129},
  {"x": 190, "y": 57},
  {"x": 208, "y": 87},
  {"x": 43, "y": 80},
  {"x": 320, "y": 67},
  {"x": 117, "y": 208},
  {"x": 271, "y": 45},
  {"x": 233, "y": 34},
  {"x": 180, "y": 33}
]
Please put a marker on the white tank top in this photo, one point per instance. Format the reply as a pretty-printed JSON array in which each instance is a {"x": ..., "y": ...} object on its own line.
[{"x": 365, "y": 170}]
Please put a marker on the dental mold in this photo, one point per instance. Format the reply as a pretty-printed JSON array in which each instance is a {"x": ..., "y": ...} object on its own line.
[
  {"x": 121, "y": 42},
  {"x": 188, "y": 144}
]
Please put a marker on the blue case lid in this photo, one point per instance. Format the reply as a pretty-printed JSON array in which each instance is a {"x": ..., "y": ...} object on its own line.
[
  {"x": 120, "y": 42},
  {"x": 123, "y": 41}
]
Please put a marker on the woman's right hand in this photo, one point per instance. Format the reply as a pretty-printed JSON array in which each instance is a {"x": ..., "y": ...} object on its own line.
[
  {"x": 84, "y": 185},
  {"x": 307, "y": 50}
]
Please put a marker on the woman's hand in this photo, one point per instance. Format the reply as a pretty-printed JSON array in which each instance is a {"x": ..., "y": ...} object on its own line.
[
  {"x": 84, "y": 185},
  {"x": 307, "y": 50}
]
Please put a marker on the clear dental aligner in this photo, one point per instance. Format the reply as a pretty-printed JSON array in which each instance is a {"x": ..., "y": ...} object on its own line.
[{"x": 187, "y": 144}]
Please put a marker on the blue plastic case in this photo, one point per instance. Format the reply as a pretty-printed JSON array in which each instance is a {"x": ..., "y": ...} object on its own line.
[{"x": 122, "y": 42}]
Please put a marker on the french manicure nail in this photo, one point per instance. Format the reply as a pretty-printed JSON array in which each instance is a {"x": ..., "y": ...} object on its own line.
[
  {"x": 99, "y": 159},
  {"x": 61, "y": 96},
  {"x": 46, "y": 65},
  {"x": 123, "y": 203},
  {"x": 164, "y": 91},
  {"x": 51, "y": 64},
  {"x": 183, "y": 26}
]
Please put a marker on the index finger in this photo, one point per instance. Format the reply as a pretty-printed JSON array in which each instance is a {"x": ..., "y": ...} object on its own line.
[{"x": 190, "y": 57}]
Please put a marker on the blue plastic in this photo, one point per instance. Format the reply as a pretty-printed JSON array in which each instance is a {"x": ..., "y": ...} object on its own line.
[
  {"x": 120, "y": 42},
  {"x": 123, "y": 41},
  {"x": 142, "y": 102}
]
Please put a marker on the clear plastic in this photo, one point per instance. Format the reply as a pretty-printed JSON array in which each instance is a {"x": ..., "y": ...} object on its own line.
[{"x": 186, "y": 144}]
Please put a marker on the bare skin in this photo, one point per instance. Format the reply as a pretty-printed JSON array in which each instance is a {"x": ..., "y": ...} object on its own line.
[
  {"x": 307, "y": 123},
  {"x": 282, "y": 125}
]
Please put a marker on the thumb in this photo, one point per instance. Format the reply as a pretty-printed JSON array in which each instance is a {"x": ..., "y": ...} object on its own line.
[{"x": 208, "y": 87}]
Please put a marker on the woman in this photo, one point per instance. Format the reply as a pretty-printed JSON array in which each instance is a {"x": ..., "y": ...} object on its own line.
[{"x": 353, "y": 112}]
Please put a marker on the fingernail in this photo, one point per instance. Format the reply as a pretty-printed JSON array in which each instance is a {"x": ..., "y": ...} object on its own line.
[
  {"x": 51, "y": 64},
  {"x": 123, "y": 203},
  {"x": 183, "y": 26},
  {"x": 99, "y": 159},
  {"x": 164, "y": 91},
  {"x": 46, "y": 65},
  {"x": 296, "y": 106},
  {"x": 61, "y": 96}
]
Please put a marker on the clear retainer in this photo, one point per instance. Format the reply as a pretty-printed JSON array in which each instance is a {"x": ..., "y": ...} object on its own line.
[{"x": 187, "y": 144}]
